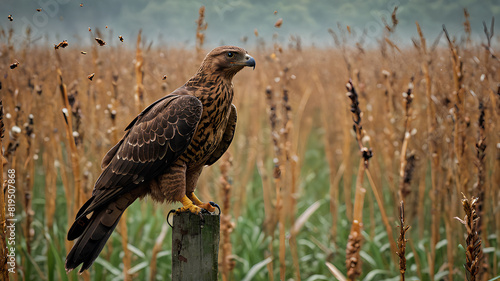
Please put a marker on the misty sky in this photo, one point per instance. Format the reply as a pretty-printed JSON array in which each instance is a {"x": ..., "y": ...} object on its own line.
[{"x": 172, "y": 22}]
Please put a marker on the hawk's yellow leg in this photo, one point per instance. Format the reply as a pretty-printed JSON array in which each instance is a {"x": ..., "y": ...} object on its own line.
[
  {"x": 200, "y": 204},
  {"x": 188, "y": 206}
]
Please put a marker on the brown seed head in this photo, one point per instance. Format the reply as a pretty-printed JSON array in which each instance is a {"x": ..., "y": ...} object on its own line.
[
  {"x": 14, "y": 65},
  {"x": 100, "y": 41},
  {"x": 278, "y": 23},
  {"x": 62, "y": 44}
]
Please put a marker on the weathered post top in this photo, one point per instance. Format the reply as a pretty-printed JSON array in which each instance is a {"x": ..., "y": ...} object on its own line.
[{"x": 195, "y": 247}]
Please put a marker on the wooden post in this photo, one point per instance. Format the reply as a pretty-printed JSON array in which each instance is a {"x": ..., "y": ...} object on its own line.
[{"x": 195, "y": 247}]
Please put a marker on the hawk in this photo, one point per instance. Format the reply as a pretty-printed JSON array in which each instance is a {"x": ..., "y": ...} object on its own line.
[{"x": 163, "y": 153}]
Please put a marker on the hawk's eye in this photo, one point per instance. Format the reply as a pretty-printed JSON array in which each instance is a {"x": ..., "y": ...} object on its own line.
[{"x": 230, "y": 54}]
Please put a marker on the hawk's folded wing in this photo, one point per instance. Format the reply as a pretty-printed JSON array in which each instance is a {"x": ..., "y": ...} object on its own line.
[{"x": 154, "y": 140}]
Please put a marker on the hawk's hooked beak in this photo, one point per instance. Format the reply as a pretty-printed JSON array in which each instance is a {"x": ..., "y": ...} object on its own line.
[{"x": 249, "y": 61}]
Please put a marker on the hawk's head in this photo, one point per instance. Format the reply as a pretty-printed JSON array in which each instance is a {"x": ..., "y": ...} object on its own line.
[{"x": 227, "y": 61}]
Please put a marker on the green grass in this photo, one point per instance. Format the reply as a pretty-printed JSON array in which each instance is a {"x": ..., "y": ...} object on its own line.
[{"x": 250, "y": 244}]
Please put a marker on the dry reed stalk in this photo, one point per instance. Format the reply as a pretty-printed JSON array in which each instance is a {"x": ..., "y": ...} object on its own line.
[
  {"x": 336, "y": 272},
  {"x": 29, "y": 174},
  {"x": 446, "y": 208},
  {"x": 433, "y": 152},
  {"x": 50, "y": 186},
  {"x": 391, "y": 133},
  {"x": 371, "y": 213},
  {"x": 473, "y": 250},
  {"x": 72, "y": 150},
  {"x": 139, "y": 75},
  {"x": 389, "y": 94},
  {"x": 494, "y": 99},
  {"x": 293, "y": 240},
  {"x": 156, "y": 250},
  {"x": 480, "y": 165},
  {"x": 227, "y": 261},
  {"x": 416, "y": 258},
  {"x": 277, "y": 170},
  {"x": 285, "y": 145},
  {"x": 240, "y": 193},
  {"x": 4, "y": 273},
  {"x": 459, "y": 133},
  {"x": 347, "y": 177},
  {"x": 281, "y": 219},
  {"x": 90, "y": 100},
  {"x": 450, "y": 239},
  {"x": 329, "y": 151},
  {"x": 346, "y": 150},
  {"x": 404, "y": 173},
  {"x": 127, "y": 255},
  {"x": 299, "y": 133},
  {"x": 75, "y": 164},
  {"x": 402, "y": 241},
  {"x": 49, "y": 158},
  {"x": 467, "y": 27},
  {"x": 289, "y": 173},
  {"x": 392, "y": 45},
  {"x": 459, "y": 137},
  {"x": 409, "y": 169},
  {"x": 342, "y": 46},
  {"x": 383, "y": 214},
  {"x": 68, "y": 192},
  {"x": 479, "y": 186},
  {"x": 421, "y": 202},
  {"x": 488, "y": 50},
  {"x": 303, "y": 128},
  {"x": 334, "y": 198},
  {"x": 201, "y": 26},
  {"x": 270, "y": 220},
  {"x": 496, "y": 197},
  {"x": 353, "y": 249}
]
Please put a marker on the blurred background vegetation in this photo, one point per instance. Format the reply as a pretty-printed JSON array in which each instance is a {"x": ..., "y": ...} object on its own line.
[{"x": 172, "y": 21}]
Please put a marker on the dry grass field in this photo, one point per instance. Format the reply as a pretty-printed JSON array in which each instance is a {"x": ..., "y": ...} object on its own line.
[{"x": 301, "y": 198}]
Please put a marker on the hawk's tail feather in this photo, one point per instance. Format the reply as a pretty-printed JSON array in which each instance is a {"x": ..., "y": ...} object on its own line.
[
  {"x": 89, "y": 246},
  {"x": 96, "y": 233}
]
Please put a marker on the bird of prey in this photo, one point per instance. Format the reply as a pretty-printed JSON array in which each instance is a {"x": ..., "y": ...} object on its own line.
[{"x": 163, "y": 153}]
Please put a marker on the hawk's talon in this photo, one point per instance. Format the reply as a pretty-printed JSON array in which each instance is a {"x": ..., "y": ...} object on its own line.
[
  {"x": 189, "y": 208},
  {"x": 168, "y": 215},
  {"x": 213, "y": 204}
]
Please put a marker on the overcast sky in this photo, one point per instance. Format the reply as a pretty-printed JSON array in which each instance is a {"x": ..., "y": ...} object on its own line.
[{"x": 173, "y": 21}]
